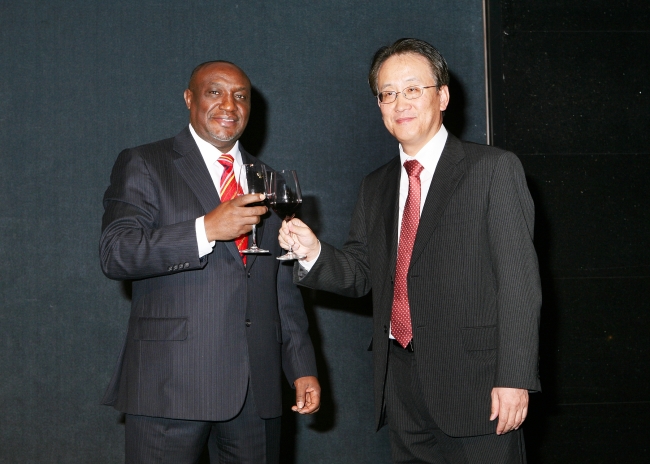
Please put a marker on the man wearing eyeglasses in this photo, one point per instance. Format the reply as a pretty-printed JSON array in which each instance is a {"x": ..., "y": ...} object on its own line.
[{"x": 443, "y": 236}]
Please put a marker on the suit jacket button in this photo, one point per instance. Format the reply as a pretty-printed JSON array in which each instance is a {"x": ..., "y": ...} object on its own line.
[
  {"x": 187, "y": 265},
  {"x": 248, "y": 322},
  {"x": 175, "y": 267},
  {"x": 249, "y": 275},
  {"x": 385, "y": 329},
  {"x": 170, "y": 268}
]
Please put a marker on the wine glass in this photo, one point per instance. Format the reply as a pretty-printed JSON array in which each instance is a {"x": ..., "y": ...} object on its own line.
[
  {"x": 252, "y": 180},
  {"x": 284, "y": 197}
]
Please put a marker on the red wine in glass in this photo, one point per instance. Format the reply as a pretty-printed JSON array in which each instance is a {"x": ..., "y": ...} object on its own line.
[{"x": 285, "y": 198}]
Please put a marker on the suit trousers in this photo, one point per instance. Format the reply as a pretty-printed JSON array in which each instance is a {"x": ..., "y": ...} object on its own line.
[
  {"x": 245, "y": 439},
  {"x": 414, "y": 435}
]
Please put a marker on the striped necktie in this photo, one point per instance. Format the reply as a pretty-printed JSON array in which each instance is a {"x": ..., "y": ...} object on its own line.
[{"x": 229, "y": 190}]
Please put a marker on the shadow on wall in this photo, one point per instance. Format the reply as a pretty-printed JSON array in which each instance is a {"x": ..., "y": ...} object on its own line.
[
  {"x": 454, "y": 118},
  {"x": 254, "y": 137}
]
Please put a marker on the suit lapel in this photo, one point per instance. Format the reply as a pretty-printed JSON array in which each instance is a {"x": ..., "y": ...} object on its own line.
[
  {"x": 390, "y": 200},
  {"x": 192, "y": 168},
  {"x": 449, "y": 172}
]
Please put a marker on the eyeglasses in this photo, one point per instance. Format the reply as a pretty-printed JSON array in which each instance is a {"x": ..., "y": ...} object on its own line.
[{"x": 410, "y": 93}]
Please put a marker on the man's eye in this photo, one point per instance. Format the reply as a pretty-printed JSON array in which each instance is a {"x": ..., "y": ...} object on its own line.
[
  {"x": 390, "y": 94},
  {"x": 215, "y": 92},
  {"x": 241, "y": 97},
  {"x": 411, "y": 90}
]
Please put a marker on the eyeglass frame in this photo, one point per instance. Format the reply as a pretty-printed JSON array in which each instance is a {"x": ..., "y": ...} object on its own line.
[{"x": 421, "y": 87}]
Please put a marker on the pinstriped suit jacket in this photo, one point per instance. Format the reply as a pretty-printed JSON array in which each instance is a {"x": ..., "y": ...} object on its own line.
[
  {"x": 473, "y": 281},
  {"x": 199, "y": 328}
]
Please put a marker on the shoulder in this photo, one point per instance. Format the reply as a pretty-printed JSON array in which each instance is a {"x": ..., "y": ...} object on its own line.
[
  {"x": 379, "y": 174},
  {"x": 486, "y": 154},
  {"x": 152, "y": 147},
  {"x": 149, "y": 152}
]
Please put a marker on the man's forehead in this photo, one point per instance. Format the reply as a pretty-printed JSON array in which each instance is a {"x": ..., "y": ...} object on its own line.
[
  {"x": 222, "y": 73},
  {"x": 387, "y": 82},
  {"x": 227, "y": 82},
  {"x": 404, "y": 68}
]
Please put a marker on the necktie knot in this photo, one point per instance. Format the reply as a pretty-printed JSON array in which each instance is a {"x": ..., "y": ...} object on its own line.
[
  {"x": 413, "y": 168},
  {"x": 226, "y": 160}
]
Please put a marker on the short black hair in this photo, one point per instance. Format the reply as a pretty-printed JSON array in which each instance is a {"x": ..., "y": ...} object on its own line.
[{"x": 405, "y": 47}]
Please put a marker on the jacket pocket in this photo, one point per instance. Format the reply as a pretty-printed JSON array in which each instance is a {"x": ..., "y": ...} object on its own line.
[
  {"x": 158, "y": 328},
  {"x": 479, "y": 338}
]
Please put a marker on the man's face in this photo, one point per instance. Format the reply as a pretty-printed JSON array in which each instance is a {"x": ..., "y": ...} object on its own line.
[
  {"x": 219, "y": 103},
  {"x": 412, "y": 122}
]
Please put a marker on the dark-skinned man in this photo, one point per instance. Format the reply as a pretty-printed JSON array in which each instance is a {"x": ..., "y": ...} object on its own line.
[{"x": 211, "y": 329}]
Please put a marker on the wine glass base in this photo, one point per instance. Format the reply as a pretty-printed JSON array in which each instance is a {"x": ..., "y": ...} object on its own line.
[
  {"x": 290, "y": 256},
  {"x": 254, "y": 250}
]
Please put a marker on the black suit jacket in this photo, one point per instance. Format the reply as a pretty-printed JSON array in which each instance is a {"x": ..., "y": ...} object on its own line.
[
  {"x": 199, "y": 328},
  {"x": 473, "y": 281}
]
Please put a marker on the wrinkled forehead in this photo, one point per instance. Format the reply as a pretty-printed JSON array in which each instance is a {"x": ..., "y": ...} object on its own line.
[{"x": 222, "y": 74}]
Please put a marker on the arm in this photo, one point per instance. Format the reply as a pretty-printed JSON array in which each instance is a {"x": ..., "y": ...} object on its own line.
[
  {"x": 135, "y": 243},
  {"x": 345, "y": 272},
  {"x": 514, "y": 261}
]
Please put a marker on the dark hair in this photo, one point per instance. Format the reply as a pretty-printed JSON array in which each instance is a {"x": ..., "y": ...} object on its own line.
[
  {"x": 206, "y": 63},
  {"x": 406, "y": 47}
]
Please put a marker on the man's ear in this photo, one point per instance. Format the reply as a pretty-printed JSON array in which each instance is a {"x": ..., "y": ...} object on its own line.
[
  {"x": 444, "y": 97},
  {"x": 187, "y": 95}
]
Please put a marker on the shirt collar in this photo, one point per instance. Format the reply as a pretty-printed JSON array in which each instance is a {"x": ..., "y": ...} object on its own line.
[
  {"x": 211, "y": 154},
  {"x": 429, "y": 154}
]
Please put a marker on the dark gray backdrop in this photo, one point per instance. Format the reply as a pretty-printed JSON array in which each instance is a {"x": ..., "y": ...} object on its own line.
[{"x": 81, "y": 80}]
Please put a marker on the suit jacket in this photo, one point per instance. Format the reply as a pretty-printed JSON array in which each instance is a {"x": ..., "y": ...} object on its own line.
[
  {"x": 199, "y": 327},
  {"x": 473, "y": 281}
]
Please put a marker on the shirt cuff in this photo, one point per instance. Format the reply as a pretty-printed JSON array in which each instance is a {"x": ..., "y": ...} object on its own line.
[
  {"x": 205, "y": 247},
  {"x": 307, "y": 265}
]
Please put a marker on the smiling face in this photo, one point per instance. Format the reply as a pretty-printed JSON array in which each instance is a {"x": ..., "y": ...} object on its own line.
[
  {"x": 412, "y": 122},
  {"x": 219, "y": 103}
]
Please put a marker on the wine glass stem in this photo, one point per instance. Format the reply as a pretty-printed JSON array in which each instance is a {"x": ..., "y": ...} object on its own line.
[
  {"x": 287, "y": 219},
  {"x": 253, "y": 234}
]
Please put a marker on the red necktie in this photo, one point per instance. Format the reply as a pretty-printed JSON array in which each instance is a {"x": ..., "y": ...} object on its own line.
[
  {"x": 229, "y": 190},
  {"x": 400, "y": 318}
]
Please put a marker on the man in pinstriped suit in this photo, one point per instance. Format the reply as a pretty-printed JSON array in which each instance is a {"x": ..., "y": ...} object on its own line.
[
  {"x": 209, "y": 334},
  {"x": 469, "y": 274}
]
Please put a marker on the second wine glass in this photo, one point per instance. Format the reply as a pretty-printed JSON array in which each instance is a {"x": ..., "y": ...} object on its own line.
[
  {"x": 252, "y": 180},
  {"x": 285, "y": 198}
]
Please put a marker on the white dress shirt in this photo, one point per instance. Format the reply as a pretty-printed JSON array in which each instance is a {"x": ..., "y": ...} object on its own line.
[
  {"x": 428, "y": 157},
  {"x": 211, "y": 155}
]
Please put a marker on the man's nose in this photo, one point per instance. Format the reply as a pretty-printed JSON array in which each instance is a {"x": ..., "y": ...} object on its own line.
[
  {"x": 227, "y": 102},
  {"x": 401, "y": 102}
]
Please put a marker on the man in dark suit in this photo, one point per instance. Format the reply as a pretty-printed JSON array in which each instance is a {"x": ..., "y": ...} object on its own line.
[
  {"x": 443, "y": 236},
  {"x": 211, "y": 330}
]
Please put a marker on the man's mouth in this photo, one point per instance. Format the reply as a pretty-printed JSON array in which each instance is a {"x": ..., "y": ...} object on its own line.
[{"x": 225, "y": 120}]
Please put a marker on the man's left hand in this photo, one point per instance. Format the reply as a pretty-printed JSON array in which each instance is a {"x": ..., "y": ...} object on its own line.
[
  {"x": 307, "y": 395},
  {"x": 510, "y": 405}
]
